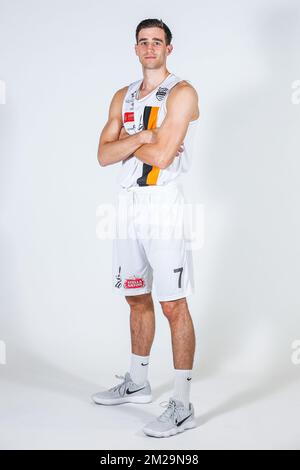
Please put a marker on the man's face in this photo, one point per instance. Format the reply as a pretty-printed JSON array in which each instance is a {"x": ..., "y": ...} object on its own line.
[{"x": 151, "y": 48}]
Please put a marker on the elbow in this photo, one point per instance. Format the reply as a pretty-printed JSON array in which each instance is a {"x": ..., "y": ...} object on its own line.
[
  {"x": 162, "y": 165},
  {"x": 163, "y": 162},
  {"x": 101, "y": 159}
]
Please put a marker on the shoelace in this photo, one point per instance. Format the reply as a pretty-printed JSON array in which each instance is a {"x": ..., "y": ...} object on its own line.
[
  {"x": 171, "y": 410},
  {"x": 118, "y": 387}
]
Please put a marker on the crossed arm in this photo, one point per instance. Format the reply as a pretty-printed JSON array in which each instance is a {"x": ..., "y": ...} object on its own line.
[
  {"x": 181, "y": 107},
  {"x": 157, "y": 147}
]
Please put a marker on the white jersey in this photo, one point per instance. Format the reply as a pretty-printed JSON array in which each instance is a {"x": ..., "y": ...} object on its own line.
[{"x": 148, "y": 113}]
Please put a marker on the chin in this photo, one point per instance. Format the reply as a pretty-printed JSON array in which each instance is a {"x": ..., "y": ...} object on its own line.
[{"x": 151, "y": 66}]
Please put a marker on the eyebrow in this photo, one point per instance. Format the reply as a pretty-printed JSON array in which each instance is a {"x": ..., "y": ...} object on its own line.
[{"x": 154, "y": 39}]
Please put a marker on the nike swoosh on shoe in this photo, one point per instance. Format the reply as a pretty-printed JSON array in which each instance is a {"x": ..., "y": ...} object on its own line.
[
  {"x": 178, "y": 424},
  {"x": 129, "y": 392}
]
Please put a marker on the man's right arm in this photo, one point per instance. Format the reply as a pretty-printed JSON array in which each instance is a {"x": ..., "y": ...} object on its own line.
[{"x": 112, "y": 150}]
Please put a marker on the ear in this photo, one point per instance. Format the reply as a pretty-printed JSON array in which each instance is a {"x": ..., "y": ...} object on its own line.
[{"x": 169, "y": 49}]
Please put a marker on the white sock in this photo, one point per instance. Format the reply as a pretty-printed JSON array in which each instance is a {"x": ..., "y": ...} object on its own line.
[
  {"x": 139, "y": 368},
  {"x": 182, "y": 386}
]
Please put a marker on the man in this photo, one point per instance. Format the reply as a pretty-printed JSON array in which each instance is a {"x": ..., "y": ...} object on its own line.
[{"x": 148, "y": 122}]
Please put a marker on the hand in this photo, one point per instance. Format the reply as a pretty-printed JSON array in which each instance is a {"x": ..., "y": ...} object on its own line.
[
  {"x": 149, "y": 136},
  {"x": 180, "y": 149}
]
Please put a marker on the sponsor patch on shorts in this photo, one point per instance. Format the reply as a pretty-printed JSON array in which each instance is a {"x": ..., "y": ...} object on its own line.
[{"x": 134, "y": 283}]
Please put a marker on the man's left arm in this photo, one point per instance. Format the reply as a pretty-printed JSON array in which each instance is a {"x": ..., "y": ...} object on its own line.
[{"x": 182, "y": 105}]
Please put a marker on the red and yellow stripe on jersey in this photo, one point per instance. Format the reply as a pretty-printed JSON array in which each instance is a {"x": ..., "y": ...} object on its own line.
[{"x": 150, "y": 173}]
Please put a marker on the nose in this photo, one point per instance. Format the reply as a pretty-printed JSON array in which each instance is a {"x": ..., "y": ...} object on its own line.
[{"x": 150, "y": 49}]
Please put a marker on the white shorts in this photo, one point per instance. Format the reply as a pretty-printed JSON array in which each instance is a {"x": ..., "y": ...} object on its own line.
[{"x": 150, "y": 245}]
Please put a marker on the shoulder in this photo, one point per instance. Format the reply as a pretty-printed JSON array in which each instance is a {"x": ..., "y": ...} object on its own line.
[
  {"x": 184, "y": 88},
  {"x": 121, "y": 93},
  {"x": 184, "y": 96},
  {"x": 131, "y": 87},
  {"x": 115, "y": 108},
  {"x": 118, "y": 98}
]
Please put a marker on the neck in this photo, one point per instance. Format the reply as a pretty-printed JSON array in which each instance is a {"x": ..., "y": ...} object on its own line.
[{"x": 152, "y": 78}]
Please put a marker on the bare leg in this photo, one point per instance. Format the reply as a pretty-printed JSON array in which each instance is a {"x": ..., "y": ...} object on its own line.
[
  {"x": 182, "y": 332},
  {"x": 142, "y": 323}
]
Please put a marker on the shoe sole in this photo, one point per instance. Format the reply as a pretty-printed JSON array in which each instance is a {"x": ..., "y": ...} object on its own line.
[
  {"x": 118, "y": 401},
  {"x": 188, "y": 425}
]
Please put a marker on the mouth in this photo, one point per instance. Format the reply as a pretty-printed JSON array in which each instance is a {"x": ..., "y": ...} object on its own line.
[{"x": 150, "y": 57}]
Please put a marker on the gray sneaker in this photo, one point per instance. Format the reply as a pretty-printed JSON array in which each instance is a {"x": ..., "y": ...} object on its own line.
[
  {"x": 125, "y": 392},
  {"x": 176, "y": 418}
]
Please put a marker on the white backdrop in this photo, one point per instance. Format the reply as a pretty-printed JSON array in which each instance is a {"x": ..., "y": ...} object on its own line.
[{"x": 61, "y": 62}]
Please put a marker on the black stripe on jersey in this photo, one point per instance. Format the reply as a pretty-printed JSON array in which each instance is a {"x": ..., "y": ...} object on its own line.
[{"x": 142, "y": 181}]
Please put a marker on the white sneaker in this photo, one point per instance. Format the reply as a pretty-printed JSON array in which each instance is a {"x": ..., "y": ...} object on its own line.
[
  {"x": 176, "y": 418},
  {"x": 125, "y": 392}
]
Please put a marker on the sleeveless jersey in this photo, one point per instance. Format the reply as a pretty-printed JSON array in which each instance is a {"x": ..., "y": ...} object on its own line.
[{"x": 148, "y": 113}]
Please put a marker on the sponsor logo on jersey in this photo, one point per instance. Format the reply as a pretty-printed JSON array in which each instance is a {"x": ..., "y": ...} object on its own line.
[
  {"x": 130, "y": 99},
  {"x": 161, "y": 93},
  {"x": 129, "y": 117}
]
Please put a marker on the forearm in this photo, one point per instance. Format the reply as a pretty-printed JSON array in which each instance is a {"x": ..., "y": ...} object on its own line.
[
  {"x": 113, "y": 152},
  {"x": 149, "y": 153}
]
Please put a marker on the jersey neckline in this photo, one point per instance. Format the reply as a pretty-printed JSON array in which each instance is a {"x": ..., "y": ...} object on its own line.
[{"x": 149, "y": 94}]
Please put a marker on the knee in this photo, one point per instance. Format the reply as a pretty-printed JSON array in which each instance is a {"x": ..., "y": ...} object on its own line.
[
  {"x": 172, "y": 308},
  {"x": 139, "y": 302}
]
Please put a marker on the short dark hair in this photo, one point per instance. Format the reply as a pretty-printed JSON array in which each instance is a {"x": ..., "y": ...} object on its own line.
[{"x": 154, "y": 23}]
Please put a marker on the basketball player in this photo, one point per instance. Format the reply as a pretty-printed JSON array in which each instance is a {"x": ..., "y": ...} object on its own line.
[{"x": 150, "y": 130}]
